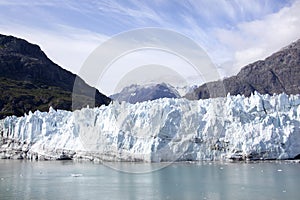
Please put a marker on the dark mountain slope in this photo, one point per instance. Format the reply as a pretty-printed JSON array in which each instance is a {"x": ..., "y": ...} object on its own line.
[
  {"x": 276, "y": 74},
  {"x": 31, "y": 81}
]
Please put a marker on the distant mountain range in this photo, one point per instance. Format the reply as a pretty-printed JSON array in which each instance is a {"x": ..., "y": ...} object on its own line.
[
  {"x": 276, "y": 74},
  {"x": 139, "y": 93},
  {"x": 30, "y": 81}
]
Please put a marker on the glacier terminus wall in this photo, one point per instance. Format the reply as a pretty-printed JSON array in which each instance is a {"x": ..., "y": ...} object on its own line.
[{"x": 232, "y": 127}]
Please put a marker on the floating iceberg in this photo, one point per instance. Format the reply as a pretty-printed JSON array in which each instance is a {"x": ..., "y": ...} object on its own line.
[{"x": 233, "y": 127}]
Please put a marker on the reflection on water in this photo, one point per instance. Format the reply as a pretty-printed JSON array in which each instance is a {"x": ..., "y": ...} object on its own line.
[{"x": 54, "y": 180}]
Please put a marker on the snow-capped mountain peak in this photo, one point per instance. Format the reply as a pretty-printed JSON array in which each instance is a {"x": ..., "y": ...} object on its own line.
[{"x": 139, "y": 93}]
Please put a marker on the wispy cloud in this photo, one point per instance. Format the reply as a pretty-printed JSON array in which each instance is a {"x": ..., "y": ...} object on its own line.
[
  {"x": 28, "y": 3},
  {"x": 232, "y": 32},
  {"x": 257, "y": 39}
]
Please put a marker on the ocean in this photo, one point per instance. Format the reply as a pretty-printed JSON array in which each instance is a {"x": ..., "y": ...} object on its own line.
[{"x": 21, "y": 179}]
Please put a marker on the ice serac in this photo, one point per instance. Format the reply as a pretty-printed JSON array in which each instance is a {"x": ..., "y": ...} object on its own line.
[{"x": 233, "y": 127}]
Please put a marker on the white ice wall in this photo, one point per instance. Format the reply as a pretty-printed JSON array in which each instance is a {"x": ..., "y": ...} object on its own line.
[{"x": 260, "y": 126}]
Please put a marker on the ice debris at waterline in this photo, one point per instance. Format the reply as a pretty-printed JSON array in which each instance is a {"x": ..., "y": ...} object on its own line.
[{"x": 234, "y": 127}]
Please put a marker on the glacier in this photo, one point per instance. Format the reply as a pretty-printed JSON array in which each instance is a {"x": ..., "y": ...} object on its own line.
[{"x": 163, "y": 130}]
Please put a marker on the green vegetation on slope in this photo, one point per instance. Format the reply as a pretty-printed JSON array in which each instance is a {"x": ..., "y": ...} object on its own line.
[{"x": 18, "y": 97}]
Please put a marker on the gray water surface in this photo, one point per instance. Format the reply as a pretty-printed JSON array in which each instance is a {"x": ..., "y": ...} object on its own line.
[{"x": 204, "y": 180}]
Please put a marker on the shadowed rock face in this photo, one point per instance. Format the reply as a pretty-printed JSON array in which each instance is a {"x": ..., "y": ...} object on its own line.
[
  {"x": 276, "y": 74},
  {"x": 30, "y": 81}
]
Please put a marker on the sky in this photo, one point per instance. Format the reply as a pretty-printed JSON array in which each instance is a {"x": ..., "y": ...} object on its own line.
[{"x": 233, "y": 33}]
